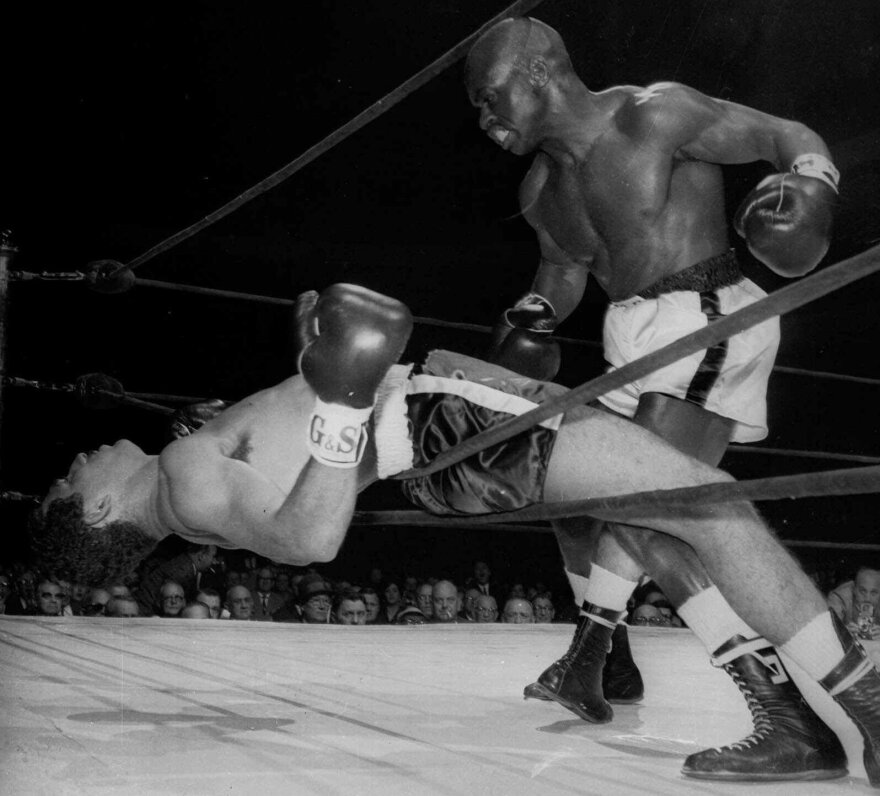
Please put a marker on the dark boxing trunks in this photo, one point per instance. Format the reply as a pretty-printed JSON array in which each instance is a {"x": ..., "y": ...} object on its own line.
[{"x": 465, "y": 397}]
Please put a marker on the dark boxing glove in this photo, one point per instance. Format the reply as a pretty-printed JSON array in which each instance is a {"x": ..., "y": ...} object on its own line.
[
  {"x": 786, "y": 219},
  {"x": 523, "y": 340},
  {"x": 350, "y": 337}
]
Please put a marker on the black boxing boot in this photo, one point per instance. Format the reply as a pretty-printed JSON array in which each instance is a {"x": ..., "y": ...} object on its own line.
[
  {"x": 855, "y": 685},
  {"x": 789, "y": 742},
  {"x": 575, "y": 680},
  {"x": 621, "y": 680}
]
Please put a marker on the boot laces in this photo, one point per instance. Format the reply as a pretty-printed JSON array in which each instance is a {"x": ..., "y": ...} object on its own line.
[{"x": 763, "y": 724}]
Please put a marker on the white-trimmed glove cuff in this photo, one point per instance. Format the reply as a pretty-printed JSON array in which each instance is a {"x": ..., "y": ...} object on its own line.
[
  {"x": 394, "y": 449},
  {"x": 818, "y": 166},
  {"x": 337, "y": 434}
]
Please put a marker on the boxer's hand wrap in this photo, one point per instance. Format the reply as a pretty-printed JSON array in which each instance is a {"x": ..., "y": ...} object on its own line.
[
  {"x": 338, "y": 434},
  {"x": 350, "y": 337},
  {"x": 532, "y": 312},
  {"x": 522, "y": 341},
  {"x": 817, "y": 166}
]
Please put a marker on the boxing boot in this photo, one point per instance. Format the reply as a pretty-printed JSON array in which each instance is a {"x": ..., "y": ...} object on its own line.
[
  {"x": 575, "y": 680},
  {"x": 789, "y": 742},
  {"x": 621, "y": 679},
  {"x": 855, "y": 685},
  {"x": 551, "y": 678}
]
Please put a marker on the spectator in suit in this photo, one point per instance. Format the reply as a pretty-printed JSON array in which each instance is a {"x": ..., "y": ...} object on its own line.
[
  {"x": 543, "y": 607},
  {"x": 373, "y": 604},
  {"x": 518, "y": 611},
  {"x": 125, "y": 607},
  {"x": 650, "y": 615},
  {"x": 349, "y": 608},
  {"x": 393, "y": 601},
  {"x": 240, "y": 603},
  {"x": 266, "y": 600},
  {"x": 315, "y": 599},
  {"x": 210, "y": 598},
  {"x": 96, "y": 602},
  {"x": 482, "y": 580},
  {"x": 485, "y": 608},
  {"x": 172, "y": 599},
  {"x": 50, "y": 598},
  {"x": 425, "y": 599},
  {"x": 445, "y": 598},
  {"x": 857, "y": 601},
  {"x": 184, "y": 569}
]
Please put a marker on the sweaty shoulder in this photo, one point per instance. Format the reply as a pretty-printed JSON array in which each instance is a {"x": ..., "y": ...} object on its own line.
[{"x": 661, "y": 112}]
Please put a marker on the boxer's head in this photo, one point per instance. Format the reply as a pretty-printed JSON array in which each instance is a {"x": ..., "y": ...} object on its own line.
[
  {"x": 62, "y": 538},
  {"x": 81, "y": 525},
  {"x": 508, "y": 75}
]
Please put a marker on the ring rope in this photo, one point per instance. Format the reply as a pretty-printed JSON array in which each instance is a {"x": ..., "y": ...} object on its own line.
[
  {"x": 366, "y": 116},
  {"x": 855, "y": 458},
  {"x": 854, "y": 481},
  {"x": 508, "y": 527},
  {"x": 79, "y": 276},
  {"x": 87, "y": 392},
  {"x": 784, "y": 300}
]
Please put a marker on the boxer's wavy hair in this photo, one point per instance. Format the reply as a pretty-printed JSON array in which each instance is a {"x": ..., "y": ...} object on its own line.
[{"x": 60, "y": 540}]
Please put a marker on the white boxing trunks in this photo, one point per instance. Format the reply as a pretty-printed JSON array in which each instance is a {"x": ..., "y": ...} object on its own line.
[{"x": 729, "y": 379}]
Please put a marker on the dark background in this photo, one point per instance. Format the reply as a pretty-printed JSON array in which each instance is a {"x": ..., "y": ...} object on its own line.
[{"x": 124, "y": 123}]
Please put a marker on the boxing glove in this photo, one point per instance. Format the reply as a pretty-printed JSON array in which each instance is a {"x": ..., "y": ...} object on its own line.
[
  {"x": 350, "y": 337},
  {"x": 786, "y": 222},
  {"x": 523, "y": 340}
]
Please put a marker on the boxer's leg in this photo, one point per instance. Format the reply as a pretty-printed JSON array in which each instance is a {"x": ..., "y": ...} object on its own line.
[{"x": 598, "y": 455}]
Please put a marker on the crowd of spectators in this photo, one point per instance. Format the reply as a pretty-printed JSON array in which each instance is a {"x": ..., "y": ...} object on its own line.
[{"x": 202, "y": 582}]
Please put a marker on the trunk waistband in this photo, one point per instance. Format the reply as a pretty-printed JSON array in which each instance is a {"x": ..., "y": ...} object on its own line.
[{"x": 719, "y": 271}]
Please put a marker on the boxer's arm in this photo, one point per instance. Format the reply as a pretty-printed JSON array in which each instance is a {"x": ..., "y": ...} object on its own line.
[
  {"x": 676, "y": 117},
  {"x": 211, "y": 493},
  {"x": 561, "y": 280}
]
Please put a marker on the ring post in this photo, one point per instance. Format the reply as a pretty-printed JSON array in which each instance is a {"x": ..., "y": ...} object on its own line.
[{"x": 7, "y": 252}]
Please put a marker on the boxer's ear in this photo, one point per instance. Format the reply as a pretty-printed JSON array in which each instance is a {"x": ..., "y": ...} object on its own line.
[
  {"x": 96, "y": 513},
  {"x": 539, "y": 72}
]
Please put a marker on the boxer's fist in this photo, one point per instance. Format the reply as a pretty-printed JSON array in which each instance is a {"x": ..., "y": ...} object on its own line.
[
  {"x": 522, "y": 341},
  {"x": 786, "y": 222},
  {"x": 351, "y": 336}
]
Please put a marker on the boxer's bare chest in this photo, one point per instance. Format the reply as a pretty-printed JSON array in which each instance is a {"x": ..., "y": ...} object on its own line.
[{"x": 611, "y": 210}]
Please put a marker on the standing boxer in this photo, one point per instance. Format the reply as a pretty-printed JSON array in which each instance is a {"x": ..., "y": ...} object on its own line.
[{"x": 627, "y": 186}]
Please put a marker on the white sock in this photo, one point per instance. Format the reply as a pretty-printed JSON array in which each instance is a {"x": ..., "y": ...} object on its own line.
[
  {"x": 815, "y": 647},
  {"x": 608, "y": 590},
  {"x": 712, "y": 619},
  {"x": 578, "y": 585}
]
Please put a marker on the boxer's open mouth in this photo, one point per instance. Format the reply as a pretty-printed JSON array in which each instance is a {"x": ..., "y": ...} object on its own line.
[{"x": 498, "y": 134}]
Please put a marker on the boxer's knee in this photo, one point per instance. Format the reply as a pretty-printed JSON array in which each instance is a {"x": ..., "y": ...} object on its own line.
[{"x": 671, "y": 563}]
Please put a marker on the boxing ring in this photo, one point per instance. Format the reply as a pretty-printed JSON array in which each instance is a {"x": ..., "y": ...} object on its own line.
[
  {"x": 152, "y": 706},
  {"x": 204, "y": 707}
]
